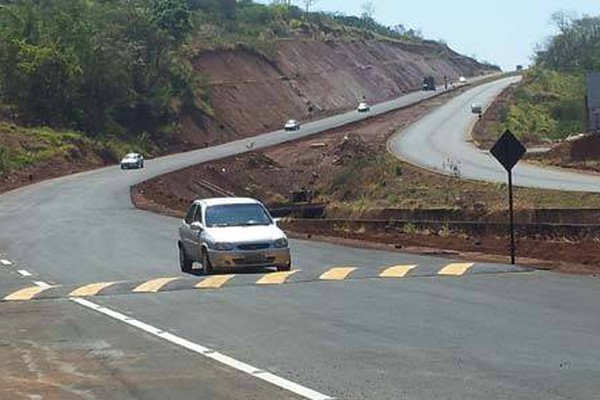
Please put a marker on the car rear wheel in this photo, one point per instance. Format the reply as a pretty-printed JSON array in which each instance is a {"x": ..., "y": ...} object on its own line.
[
  {"x": 184, "y": 262},
  {"x": 207, "y": 267}
]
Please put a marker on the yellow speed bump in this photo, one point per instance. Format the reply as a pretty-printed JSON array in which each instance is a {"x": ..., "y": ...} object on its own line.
[
  {"x": 26, "y": 294},
  {"x": 455, "y": 269},
  {"x": 153, "y": 286},
  {"x": 399, "y": 271},
  {"x": 337, "y": 274},
  {"x": 276, "y": 278},
  {"x": 90, "y": 290},
  {"x": 213, "y": 282}
]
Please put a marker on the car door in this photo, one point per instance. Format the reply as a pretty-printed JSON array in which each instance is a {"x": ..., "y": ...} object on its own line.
[
  {"x": 185, "y": 231},
  {"x": 195, "y": 235}
]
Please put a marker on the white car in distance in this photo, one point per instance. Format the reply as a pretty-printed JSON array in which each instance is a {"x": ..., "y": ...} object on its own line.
[
  {"x": 291, "y": 125},
  {"x": 132, "y": 160},
  {"x": 363, "y": 107}
]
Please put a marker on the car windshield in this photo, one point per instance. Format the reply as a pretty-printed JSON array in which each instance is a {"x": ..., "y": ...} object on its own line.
[{"x": 236, "y": 215}]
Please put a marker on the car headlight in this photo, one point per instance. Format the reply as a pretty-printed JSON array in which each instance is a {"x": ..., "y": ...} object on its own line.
[
  {"x": 280, "y": 243},
  {"x": 222, "y": 246}
]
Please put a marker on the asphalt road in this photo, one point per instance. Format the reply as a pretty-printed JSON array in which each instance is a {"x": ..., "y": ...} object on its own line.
[
  {"x": 490, "y": 333},
  {"x": 442, "y": 138}
]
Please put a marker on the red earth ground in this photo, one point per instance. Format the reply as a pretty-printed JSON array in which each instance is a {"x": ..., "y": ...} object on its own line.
[{"x": 318, "y": 162}]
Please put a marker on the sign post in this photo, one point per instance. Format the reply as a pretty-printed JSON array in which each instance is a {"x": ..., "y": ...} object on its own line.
[{"x": 508, "y": 151}]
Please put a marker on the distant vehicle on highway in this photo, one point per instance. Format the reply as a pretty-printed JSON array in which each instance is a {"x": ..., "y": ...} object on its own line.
[
  {"x": 462, "y": 79},
  {"x": 231, "y": 232},
  {"x": 363, "y": 107},
  {"x": 292, "y": 125},
  {"x": 476, "y": 108},
  {"x": 132, "y": 160},
  {"x": 429, "y": 83}
]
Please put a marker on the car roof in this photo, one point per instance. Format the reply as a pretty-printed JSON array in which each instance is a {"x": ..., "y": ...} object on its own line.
[
  {"x": 291, "y": 120},
  {"x": 226, "y": 200},
  {"x": 132, "y": 154}
]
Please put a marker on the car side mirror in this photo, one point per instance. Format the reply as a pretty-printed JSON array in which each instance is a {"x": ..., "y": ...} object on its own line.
[
  {"x": 276, "y": 220},
  {"x": 197, "y": 226}
]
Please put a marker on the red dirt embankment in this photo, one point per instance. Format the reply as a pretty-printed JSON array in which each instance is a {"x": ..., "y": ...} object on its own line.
[
  {"x": 250, "y": 93},
  {"x": 304, "y": 79}
]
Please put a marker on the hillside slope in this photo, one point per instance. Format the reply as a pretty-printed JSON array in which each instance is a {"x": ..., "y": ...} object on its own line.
[{"x": 304, "y": 79}]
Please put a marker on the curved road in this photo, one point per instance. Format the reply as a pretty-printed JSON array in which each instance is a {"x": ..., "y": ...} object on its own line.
[
  {"x": 485, "y": 334},
  {"x": 443, "y": 136}
]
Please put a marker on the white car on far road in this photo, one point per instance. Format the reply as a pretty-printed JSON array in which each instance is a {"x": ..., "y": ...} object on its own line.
[
  {"x": 132, "y": 160},
  {"x": 291, "y": 125},
  {"x": 363, "y": 107}
]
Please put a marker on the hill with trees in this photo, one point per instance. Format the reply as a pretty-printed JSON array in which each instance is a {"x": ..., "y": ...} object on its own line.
[
  {"x": 550, "y": 103},
  {"x": 85, "y": 80}
]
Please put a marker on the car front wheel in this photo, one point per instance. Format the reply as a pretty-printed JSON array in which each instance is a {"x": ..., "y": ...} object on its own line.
[
  {"x": 207, "y": 267},
  {"x": 184, "y": 262},
  {"x": 283, "y": 268}
]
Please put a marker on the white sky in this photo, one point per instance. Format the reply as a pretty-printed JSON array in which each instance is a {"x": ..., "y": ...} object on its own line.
[{"x": 503, "y": 32}]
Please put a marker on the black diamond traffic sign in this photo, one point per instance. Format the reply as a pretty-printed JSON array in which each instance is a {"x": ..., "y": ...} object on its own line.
[{"x": 508, "y": 150}]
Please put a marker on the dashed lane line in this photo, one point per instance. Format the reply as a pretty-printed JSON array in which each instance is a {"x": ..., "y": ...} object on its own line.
[
  {"x": 337, "y": 274},
  {"x": 24, "y": 272},
  {"x": 455, "y": 269},
  {"x": 275, "y": 278},
  {"x": 213, "y": 282},
  {"x": 221, "y": 358},
  {"x": 90, "y": 290},
  {"x": 6, "y": 263},
  {"x": 154, "y": 285}
]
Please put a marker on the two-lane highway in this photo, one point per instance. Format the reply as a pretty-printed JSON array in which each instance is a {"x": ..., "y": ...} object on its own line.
[
  {"x": 433, "y": 331},
  {"x": 443, "y": 136}
]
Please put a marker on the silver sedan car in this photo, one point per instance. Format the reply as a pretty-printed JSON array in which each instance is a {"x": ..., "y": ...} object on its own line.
[{"x": 233, "y": 232}]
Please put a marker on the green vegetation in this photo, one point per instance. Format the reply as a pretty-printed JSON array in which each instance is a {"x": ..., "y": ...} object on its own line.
[
  {"x": 100, "y": 67},
  {"x": 23, "y": 147},
  {"x": 550, "y": 103},
  {"x": 119, "y": 71}
]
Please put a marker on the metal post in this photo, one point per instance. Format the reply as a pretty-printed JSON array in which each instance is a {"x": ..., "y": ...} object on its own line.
[{"x": 512, "y": 225}]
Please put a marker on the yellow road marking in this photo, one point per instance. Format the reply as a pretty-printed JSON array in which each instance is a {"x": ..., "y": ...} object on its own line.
[
  {"x": 154, "y": 285},
  {"x": 90, "y": 290},
  {"x": 337, "y": 274},
  {"x": 455, "y": 269},
  {"x": 276, "y": 278},
  {"x": 399, "y": 271},
  {"x": 26, "y": 294},
  {"x": 213, "y": 282}
]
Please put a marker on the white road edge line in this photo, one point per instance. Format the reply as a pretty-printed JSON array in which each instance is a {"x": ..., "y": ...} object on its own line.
[
  {"x": 206, "y": 352},
  {"x": 5, "y": 262},
  {"x": 24, "y": 272}
]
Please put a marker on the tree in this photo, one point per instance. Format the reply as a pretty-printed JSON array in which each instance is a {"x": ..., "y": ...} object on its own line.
[
  {"x": 368, "y": 10},
  {"x": 307, "y": 5},
  {"x": 173, "y": 16}
]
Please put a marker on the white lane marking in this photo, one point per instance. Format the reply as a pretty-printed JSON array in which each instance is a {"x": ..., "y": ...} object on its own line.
[
  {"x": 24, "y": 272},
  {"x": 41, "y": 284},
  {"x": 205, "y": 351},
  {"x": 5, "y": 262}
]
